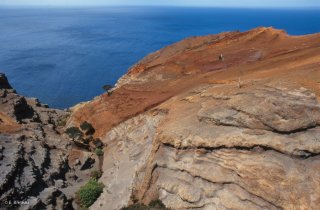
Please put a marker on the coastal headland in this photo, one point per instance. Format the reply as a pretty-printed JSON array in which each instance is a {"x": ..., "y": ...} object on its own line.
[{"x": 226, "y": 121}]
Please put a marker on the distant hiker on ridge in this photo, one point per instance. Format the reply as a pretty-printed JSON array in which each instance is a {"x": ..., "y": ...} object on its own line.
[{"x": 221, "y": 58}]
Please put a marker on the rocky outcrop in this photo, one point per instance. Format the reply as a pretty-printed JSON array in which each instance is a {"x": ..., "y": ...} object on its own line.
[
  {"x": 4, "y": 83},
  {"x": 182, "y": 126},
  {"x": 33, "y": 152},
  {"x": 128, "y": 157},
  {"x": 252, "y": 149},
  {"x": 215, "y": 144},
  {"x": 34, "y": 155}
]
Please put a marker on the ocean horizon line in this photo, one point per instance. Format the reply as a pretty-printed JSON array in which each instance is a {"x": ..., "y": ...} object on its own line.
[{"x": 157, "y": 6}]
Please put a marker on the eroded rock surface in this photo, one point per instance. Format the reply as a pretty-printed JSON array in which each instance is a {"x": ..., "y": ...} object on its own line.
[
  {"x": 182, "y": 126},
  {"x": 35, "y": 155},
  {"x": 242, "y": 152},
  {"x": 128, "y": 158},
  {"x": 216, "y": 144}
]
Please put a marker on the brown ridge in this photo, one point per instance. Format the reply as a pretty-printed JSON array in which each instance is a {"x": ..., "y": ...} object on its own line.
[{"x": 259, "y": 55}]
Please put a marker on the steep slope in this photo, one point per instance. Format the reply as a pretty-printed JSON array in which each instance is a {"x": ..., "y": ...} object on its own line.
[
  {"x": 37, "y": 169},
  {"x": 185, "y": 125},
  {"x": 257, "y": 54},
  {"x": 254, "y": 148},
  {"x": 199, "y": 132},
  {"x": 30, "y": 161}
]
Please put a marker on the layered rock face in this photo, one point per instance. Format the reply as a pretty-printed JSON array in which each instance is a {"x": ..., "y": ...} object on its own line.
[
  {"x": 183, "y": 126},
  {"x": 242, "y": 133},
  {"x": 251, "y": 149}
]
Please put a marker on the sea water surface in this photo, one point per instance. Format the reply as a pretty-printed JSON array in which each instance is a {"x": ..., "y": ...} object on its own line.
[{"x": 65, "y": 55}]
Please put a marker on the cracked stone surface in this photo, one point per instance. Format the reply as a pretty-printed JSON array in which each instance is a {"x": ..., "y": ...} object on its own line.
[
  {"x": 34, "y": 155},
  {"x": 242, "y": 133},
  {"x": 184, "y": 127},
  {"x": 257, "y": 149}
]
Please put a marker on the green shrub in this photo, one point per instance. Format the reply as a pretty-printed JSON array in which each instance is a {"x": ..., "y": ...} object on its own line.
[
  {"x": 85, "y": 141},
  {"x": 89, "y": 193},
  {"x": 99, "y": 152},
  {"x": 96, "y": 174},
  {"x": 107, "y": 87},
  {"x": 87, "y": 128},
  {"x": 157, "y": 204},
  {"x": 62, "y": 121},
  {"x": 73, "y": 132}
]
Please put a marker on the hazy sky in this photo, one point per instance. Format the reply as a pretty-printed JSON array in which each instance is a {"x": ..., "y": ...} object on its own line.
[{"x": 218, "y": 3}]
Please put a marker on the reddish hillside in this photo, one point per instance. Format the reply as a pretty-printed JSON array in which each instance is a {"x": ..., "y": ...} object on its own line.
[{"x": 258, "y": 56}]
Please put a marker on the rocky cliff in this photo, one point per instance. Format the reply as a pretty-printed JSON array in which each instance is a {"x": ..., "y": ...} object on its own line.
[
  {"x": 199, "y": 132},
  {"x": 37, "y": 162},
  {"x": 227, "y": 121}
]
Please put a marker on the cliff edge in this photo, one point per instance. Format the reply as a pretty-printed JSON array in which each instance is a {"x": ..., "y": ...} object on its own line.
[{"x": 227, "y": 121}]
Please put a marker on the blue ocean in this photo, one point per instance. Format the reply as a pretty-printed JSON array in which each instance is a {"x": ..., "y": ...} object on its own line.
[{"x": 64, "y": 56}]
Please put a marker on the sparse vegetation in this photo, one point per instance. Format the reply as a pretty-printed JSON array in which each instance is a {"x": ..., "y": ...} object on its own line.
[
  {"x": 87, "y": 128},
  {"x": 97, "y": 143},
  {"x": 99, "y": 152},
  {"x": 157, "y": 204},
  {"x": 62, "y": 121},
  {"x": 73, "y": 132},
  {"x": 154, "y": 205},
  {"x": 107, "y": 87},
  {"x": 96, "y": 174},
  {"x": 89, "y": 193},
  {"x": 85, "y": 140}
]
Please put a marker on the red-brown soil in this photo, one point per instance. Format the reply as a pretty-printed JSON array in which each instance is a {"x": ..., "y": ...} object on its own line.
[{"x": 257, "y": 56}]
